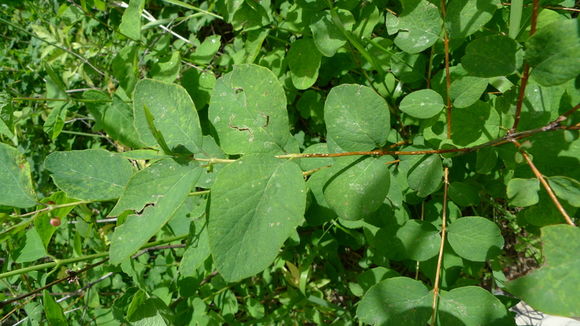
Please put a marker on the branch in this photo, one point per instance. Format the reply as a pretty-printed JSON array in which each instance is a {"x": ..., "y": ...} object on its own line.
[
  {"x": 544, "y": 183},
  {"x": 526, "y": 72},
  {"x": 441, "y": 245}
]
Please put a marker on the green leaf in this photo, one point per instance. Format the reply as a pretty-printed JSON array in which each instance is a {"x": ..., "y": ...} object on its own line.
[
  {"x": 248, "y": 111},
  {"x": 408, "y": 67},
  {"x": 474, "y": 125},
  {"x": 467, "y": 17},
  {"x": 115, "y": 118},
  {"x": 490, "y": 56},
  {"x": 255, "y": 204},
  {"x": 138, "y": 229},
  {"x": 357, "y": 118},
  {"x": 426, "y": 175},
  {"x": 197, "y": 252},
  {"x": 155, "y": 132},
  {"x": 358, "y": 186},
  {"x": 199, "y": 85},
  {"x": 131, "y": 21},
  {"x": 553, "y": 52},
  {"x": 475, "y": 238},
  {"x": 554, "y": 288},
  {"x": 175, "y": 114},
  {"x": 396, "y": 301},
  {"x": 206, "y": 50},
  {"x": 422, "y": 104},
  {"x": 15, "y": 181},
  {"x": 53, "y": 311},
  {"x": 125, "y": 67},
  {"x": 304, "y": 63},
  {"x": 418, "y": 26},
  {"x": 32, "y": 249},
  {"x": 92, "y": 174},
  {"x": 415, "y": 240},
  {"x": 472, "y": 306},
  {"x": 328, "y": 38},
  {"x": 523, "y": 192},
  {"x": 151, "y": 184},
  {"x": 566, "y": 188},
  {"x": 467, "y": 90},
  {"x": 166, "y": 68},
  {"x": 464, "y": 194}
]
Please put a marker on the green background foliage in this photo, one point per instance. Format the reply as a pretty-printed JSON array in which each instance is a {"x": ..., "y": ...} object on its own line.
[{"x": 164, "y": 162}]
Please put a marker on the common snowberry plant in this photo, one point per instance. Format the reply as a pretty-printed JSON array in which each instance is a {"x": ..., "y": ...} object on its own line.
[{"x": 288, "y": 162}]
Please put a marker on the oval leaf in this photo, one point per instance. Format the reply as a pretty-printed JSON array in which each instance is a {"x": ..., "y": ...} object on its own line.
[
  {"x": 419, "y": 25},
  {"x": 174, "y": 113},
  {"x": 475, "y": 238},
  {"x": 358, "y": 186},
  {"x": 357, "y": 118},
  {"x": 92, "y": 174},
  {"x": 396, "y": 301},
  {"x": 248, "y": 111},
  {"x": 415, "y": 240},
  {"x": 490, "y": 56},
  {"x": 426, "y": 175},
  {"x": 255, "y": 204},
  {"x": 553, "y": 52},
  {"x": 138, "y": 229},
  {"x": 422, "y": 104},
  {"x": 304, "y": 63},
  {"x": 471, "y": 306}
]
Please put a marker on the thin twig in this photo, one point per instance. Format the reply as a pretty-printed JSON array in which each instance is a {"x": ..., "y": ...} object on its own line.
[
  {"x": 70, "y": 275},
  {"x": 441, "y": 246},
  {"x": 547, "y": 7},
  {"x": 544, "y": 183},
  {"x": 208, "y": 278},
  {"x": 526, "y": 71},
  {"x": 53, "y": 207},
  {"x": 180, "y": 245},
  {"x": 309, "y": 172},
  {"x": 449, "y": 107}
]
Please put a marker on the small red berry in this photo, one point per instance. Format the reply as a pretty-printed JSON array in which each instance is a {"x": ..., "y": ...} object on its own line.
[{"x": 55, "y": 221}]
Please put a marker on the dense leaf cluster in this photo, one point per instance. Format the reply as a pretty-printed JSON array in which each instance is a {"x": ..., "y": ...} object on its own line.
[{"x": 299, "y": 162}]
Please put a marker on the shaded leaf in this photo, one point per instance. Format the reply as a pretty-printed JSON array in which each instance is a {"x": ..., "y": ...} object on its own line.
[
  {"x": 415, "y": 240},
  {"x": 523, "y": 192},
  {"x": 328, "y": 38},
  {"x": 358, "y": 186},
  {"x": 553, "y": 52},
  {"x": 554, "y": 288},
  {"x": 467, "y": 17},
  {"x": 475, "y": 238},
  {"x": 426, "y": 175},
  {"x": 418, "y": 26},
  {"x": 396, "y": 301},
  {"x": 304, "y": 63},
  {"x": 490, "y": 56}
]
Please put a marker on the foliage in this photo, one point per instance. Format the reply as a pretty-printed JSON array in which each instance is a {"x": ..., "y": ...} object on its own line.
[{"x": 300, "y": 162}]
